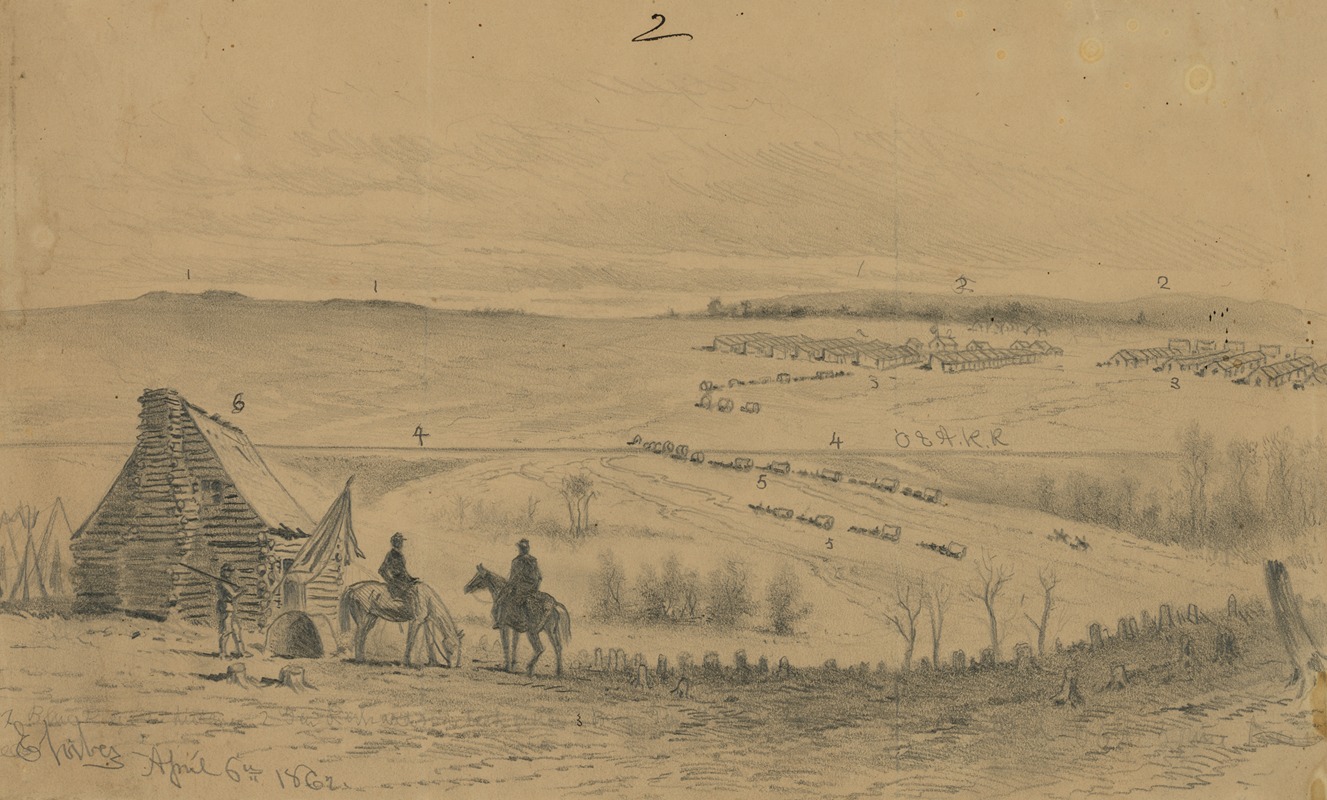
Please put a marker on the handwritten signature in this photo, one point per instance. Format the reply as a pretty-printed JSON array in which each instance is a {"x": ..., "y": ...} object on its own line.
[{"x": 32, "y": 739}]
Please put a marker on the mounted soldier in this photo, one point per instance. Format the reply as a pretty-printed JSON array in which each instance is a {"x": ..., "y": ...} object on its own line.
[
  {"x": 522, "y": 584},
  {"x": 400, "y": 583}
]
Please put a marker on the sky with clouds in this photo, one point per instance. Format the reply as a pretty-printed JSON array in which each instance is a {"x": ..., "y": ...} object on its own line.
[{"x": 504, "y": 154}]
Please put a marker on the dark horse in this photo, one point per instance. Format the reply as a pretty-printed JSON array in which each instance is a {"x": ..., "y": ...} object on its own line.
[{"x": 543, "y": 615}]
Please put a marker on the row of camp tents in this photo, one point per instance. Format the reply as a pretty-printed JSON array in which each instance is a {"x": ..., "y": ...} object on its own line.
[{"x": 1265, "y": 366}]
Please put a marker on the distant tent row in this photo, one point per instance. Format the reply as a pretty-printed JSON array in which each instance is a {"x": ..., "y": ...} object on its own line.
[
  {"x": 1261, "y": 367},
  {"x": 874, "y": 354}
]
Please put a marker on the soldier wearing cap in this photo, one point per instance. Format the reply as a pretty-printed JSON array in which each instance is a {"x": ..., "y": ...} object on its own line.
[
  {"x": 400, "y": 583},
  {"x": 228, "y": 621},
  {"x": 522, "y": 582}
]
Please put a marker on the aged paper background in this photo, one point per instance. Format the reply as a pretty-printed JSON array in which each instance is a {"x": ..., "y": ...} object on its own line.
[{"x": 531, "y": 218}]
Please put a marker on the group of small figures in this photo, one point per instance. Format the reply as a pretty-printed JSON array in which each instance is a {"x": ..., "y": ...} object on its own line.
[{"x": 1078, "y": 543}]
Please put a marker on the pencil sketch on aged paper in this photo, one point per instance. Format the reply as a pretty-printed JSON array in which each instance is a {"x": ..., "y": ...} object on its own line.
[{"x": 618, "y": 399}]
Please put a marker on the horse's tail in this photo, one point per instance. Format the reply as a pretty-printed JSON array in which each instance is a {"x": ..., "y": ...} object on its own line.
[
  {"x": 346, "y": 608},
  {"x": 564, "y": 622}
]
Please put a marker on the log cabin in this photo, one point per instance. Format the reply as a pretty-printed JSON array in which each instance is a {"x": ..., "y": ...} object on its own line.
[{"x": 196, "y": 492}]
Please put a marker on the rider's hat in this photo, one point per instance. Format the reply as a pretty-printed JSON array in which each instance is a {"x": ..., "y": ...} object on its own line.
[
  {"x": 524, "y": 543},
  {"x": 398, "y": 537}
]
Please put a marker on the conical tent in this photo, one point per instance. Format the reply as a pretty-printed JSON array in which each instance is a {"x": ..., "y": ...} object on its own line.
[{"x": 332, "y": 542}]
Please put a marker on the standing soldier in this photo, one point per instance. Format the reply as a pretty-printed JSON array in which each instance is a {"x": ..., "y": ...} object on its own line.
[
  {"x": 228, "y": 620},
  {"x": 522, "y": 583}
]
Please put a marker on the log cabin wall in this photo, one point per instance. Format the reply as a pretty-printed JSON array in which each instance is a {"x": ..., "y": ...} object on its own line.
[{"x": 173, "y": 502}]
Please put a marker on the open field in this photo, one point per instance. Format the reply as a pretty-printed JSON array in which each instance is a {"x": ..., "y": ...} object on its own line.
[{"x": 135, "y": 705}]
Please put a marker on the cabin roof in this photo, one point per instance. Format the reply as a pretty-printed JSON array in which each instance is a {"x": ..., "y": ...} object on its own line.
[{"x": 255, "y": 482}]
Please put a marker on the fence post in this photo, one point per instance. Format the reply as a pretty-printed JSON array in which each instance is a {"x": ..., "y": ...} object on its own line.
[
  {"x": 684, "y": 663},
  {"x": 1022, "y": 656},
  {"x": 710, "y": 662}
]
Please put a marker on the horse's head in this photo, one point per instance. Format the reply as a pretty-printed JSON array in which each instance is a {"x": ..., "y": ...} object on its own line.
[{"x": 479, "y": 581}]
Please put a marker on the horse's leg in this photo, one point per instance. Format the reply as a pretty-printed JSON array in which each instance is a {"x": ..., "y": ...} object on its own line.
[
  {"x": 362, "y": 636},
  {"x": 430, "y": 640},
  {"x": 538, "y": 651},
  {"x": 505, "y": 633},
  {"x": 556, "y": 639},
  {"x": 411, "y": 632}
]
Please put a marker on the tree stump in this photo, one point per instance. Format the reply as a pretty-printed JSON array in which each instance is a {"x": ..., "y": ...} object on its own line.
[
  {"x": 1069, "y": 694},
  {"x": 785, "y": 670},
  {"x": 1232, "y": 606},
  {"x": 598, "y": 659},
  {"x": 1149, "y": 627},
  {"x": 987, "y": 657},
  {"x": 1193, "y": 615},
  {"x": 683, "y": 688},
  {"x": 238, "y": 675},
  {"x": 1164, "y": 619},
  {"x": 292, "y": 677},
  {"x": 661, "y": 668},
  {"x": 739, "y": 662},
  {"x": 1119, "y": 677},
  {"x": 762, "y": 666},
  {"x": 959, "y": 661},
  {"x": 832, "y": 664},
  {"x": 1022, "y": 656},
  {"x": 1094, "y": 638}
]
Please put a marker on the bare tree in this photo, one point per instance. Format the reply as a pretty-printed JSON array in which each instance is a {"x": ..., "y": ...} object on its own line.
[
  {"x": 992, "y": 579},
  {"x": 937, "y": 603},
  {"x": 1196, "y": 450},
  {"x": 577, "y": 490},
  {"x": 909, "y": 608},
  {"x": 531, "y": 505},
  {"x": 606, "y": 586},
  {"x": 1049, "y": 580},
  {"x": 462, "y": 503}
]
